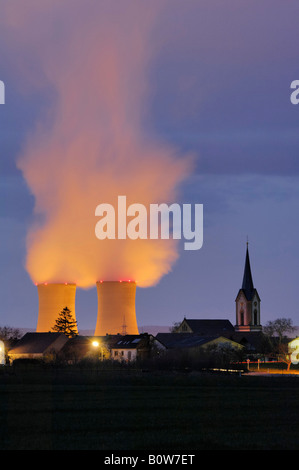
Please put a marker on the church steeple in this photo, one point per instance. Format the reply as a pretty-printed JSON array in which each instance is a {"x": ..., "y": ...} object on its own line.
[
  {"x": 247, "y": 285},
  {"x": 247, "y": 302}
]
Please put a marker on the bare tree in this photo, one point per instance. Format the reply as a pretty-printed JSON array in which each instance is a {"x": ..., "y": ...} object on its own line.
[
  {"x": 9, "y": 334},
  {"x": 285, "y": 355},
  {"x": 279, "y": 327},
  {"x": 275, "y": 334},
  {"x": 173, "y": 329}
]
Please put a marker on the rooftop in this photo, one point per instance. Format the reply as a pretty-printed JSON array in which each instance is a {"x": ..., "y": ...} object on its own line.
[{"x": 36, "y": 343}]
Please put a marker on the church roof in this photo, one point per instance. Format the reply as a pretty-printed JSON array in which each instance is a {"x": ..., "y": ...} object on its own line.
[
  {"x": 247, "y": 285},
  {"x": 206, "y": 327}
]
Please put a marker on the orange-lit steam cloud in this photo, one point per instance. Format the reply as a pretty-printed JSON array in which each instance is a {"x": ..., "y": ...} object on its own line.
[{"x": 90, "y": 146}]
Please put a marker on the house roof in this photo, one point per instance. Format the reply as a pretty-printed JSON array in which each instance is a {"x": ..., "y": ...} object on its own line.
[
  {"x": 209, "y": 327},
  {"x": 82, "y": 345},
  {"x": 183, "y": 340},
  {"x": 250, "y": 339},
  {"x": 129, "y": 341},
  {"x": 36, "y": 343}
]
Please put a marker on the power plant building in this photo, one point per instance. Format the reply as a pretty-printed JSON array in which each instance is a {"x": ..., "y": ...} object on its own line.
[
  {"x": 116, "y": 308},
  {"x": 53, "y": 298}
]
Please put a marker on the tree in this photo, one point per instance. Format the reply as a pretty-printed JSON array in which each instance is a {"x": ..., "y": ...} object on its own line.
[
  {"x": 285, "y": 355},
  {"x": 66, "y": 324},
  {"x": 275, "y": 333},
  {"x": 224, "y": 354},
  {"x": 9, "y": 334},
  {"x": 279, "y": 327},
  {"x": 173, "y": 329}
]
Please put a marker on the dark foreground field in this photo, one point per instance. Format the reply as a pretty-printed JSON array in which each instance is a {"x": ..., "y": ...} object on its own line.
[{"x": 123, "y": 410}]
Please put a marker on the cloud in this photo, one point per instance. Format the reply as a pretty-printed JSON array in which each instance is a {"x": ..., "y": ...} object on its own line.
[{"x": 90, "y": 146}]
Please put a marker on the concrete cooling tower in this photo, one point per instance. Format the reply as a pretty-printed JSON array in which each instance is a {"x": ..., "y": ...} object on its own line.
[
  {"x": 53, "y": 298},
  {"x": 116, "y": 308}
]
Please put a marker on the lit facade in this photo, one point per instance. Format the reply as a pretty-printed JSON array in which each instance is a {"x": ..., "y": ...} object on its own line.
[{"x": 294, "y": 350}]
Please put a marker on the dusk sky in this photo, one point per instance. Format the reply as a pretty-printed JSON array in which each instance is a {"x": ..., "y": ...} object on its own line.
[{"x": 110, "y": 86}]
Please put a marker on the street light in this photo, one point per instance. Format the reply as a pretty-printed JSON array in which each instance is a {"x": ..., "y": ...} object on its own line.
[{"x": 96, "y": 345}]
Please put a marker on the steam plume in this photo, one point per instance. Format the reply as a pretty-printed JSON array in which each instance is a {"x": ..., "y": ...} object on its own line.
[{"x": 90, "y": 146}]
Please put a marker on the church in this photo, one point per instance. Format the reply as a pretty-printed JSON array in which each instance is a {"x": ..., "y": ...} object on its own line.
[
  {"x": 247, "y": 329},
  {"x": 248, "y": 313}
]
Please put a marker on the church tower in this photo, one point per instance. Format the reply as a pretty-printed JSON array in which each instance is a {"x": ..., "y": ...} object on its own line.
[{"x": 248, "y": 303}]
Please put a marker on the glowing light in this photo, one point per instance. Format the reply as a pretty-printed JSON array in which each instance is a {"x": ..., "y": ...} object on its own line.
[{"x": 95, "y": 344}]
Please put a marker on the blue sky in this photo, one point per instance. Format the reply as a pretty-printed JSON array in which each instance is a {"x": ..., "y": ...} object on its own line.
[{"x": 219, "y": 87}]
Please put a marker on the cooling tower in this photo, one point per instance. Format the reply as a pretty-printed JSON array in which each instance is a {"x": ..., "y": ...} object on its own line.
[
  {"x": 116, "y": 308},
  {"x": 53, "y": 298}
]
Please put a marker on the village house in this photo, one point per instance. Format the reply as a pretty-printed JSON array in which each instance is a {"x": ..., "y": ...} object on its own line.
[
  {"x": 193, "y": 342},
  {"x": 37, "y": 346},
  {"x": 128, "y": 348}
]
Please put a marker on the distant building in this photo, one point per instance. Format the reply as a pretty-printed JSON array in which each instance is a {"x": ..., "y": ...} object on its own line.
[
  {"x": 86, "y": 347},
  {"x": 247, "y": 330},
  {"x": 205, "y": 327},
  {"x": 128, "y": 348},
  {"x": 118, "y": 347},
  {"x": 37, "y": 345},
  {"x": 248, "y": 315},
  {"x": 193, "y": 341}
]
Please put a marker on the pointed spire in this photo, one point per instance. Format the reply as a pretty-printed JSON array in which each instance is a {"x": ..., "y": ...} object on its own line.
[{"x": 247, "y": 284}]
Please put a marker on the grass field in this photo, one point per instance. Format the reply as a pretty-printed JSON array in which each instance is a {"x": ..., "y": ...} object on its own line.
[{"x": 127, "y": 410}]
